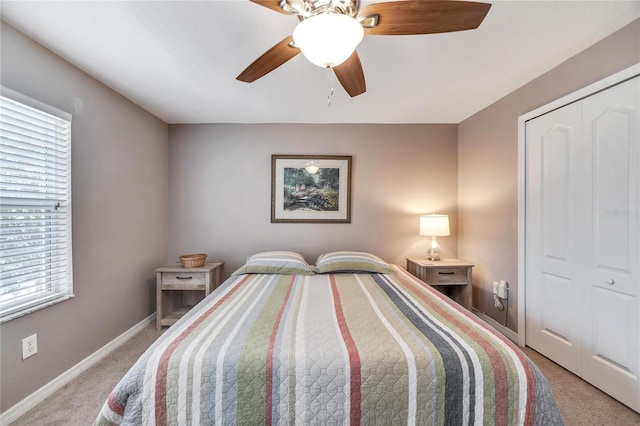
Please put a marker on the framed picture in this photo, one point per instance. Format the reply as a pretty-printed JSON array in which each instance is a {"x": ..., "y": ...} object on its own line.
[{"x": 311, "y": 188}]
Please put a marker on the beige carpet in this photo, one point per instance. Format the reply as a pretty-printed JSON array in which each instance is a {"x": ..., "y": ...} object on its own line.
[
  {"x": 79, "y": 401},
  {"x": 578, "y": 401}
]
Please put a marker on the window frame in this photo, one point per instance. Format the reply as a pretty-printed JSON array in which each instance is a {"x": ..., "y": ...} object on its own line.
[{"x": 64, "y": 291}]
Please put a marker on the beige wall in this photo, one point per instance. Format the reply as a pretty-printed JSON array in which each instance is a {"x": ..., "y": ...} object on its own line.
[
  {"x": 119, "y": 218},
  {"x": 488, "y": 164},
  {"x": 218, "y": 197},
  {"x": 220, "y": 183}
]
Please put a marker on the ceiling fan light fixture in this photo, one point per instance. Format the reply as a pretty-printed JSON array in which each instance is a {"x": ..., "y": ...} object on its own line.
[{"x": 328, "y": 39}]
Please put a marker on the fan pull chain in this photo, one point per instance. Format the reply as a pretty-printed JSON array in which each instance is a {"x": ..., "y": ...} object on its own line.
[{"x": 330, "y": 84}]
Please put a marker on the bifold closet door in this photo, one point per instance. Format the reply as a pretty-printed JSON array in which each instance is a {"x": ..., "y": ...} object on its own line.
[
  {"x": 553, "y": 250},
  {"x": 611, "y": 190},
  {"x": 583, "y": 238}
]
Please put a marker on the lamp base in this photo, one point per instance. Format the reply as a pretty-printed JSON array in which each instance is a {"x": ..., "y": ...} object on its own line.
[{"x": 434, "y": 250}]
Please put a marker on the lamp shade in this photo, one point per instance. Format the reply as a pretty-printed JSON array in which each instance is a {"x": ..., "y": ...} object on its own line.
[
  {"x": 328, "y": 39},
  {"x": 434, "y": 225}
]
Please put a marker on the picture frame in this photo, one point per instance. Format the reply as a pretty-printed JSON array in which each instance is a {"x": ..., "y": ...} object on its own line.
[{"x": 310, "y": 189}]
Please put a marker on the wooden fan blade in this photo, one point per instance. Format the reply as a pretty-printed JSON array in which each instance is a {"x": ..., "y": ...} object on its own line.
[
  {"x": 351, "y": 76},
  {"x": 271, "y": 4},
  {"x": 270, "y": 60},
  {"x": 424, "y": 17}
]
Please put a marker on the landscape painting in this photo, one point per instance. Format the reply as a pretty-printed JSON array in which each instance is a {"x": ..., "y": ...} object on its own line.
[{"x": 310, "y": 188}]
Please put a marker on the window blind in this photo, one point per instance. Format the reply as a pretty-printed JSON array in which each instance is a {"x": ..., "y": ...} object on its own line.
[{"x": 35, "y": 208}]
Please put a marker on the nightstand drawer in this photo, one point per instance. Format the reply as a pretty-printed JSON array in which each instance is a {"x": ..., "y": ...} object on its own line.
[
  {"x": 447, "y": 276},
  {"x": 184, "y": 278}
]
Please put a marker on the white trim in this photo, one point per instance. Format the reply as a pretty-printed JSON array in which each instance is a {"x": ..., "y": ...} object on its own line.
[
  {"x": 34, "y": 103},
  {"x": 522, "y": 180},
  {"x": 22, "y": 407},
  {"x": 589, "y": 90},
  {"x": 63, "y": 290},
  {"x": 507, "y": 332},
  {"x": 44, "y": 303}
]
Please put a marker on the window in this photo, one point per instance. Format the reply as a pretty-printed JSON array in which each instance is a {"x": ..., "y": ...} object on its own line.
[{"x": 35, "y": 206}]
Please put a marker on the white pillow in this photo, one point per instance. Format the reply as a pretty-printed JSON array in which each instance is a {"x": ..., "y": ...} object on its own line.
[
  {"x": 275, "y": 262},
  {"x": 352, "y": 261}
]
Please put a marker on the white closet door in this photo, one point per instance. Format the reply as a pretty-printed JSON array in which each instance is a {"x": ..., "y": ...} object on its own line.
[
  {"x": 553, "y": 253},
  {"x": 611, "y": 160}
]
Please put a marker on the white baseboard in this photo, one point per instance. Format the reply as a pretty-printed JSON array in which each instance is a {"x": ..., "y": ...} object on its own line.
[
  {"x": 509, "y": 334},
  {"x": 50, "y": 388}
]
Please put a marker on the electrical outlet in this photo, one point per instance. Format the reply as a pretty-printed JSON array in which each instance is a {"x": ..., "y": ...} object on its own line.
[{"x": 29, "y": 346}]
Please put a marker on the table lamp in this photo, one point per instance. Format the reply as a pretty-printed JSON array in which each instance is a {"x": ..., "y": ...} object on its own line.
[{"x": 434, "y": 225}]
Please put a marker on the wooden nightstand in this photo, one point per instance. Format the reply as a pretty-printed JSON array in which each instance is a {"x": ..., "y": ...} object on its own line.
[
  {"x": 178, "y": 289},
  {"x": 449, "y": 276}
]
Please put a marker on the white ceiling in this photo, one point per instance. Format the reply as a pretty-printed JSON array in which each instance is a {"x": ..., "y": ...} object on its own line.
[{"x": 179, "y": 59}]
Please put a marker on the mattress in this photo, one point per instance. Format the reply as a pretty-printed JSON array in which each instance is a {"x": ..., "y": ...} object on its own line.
[{"x": 331, "y": 349}]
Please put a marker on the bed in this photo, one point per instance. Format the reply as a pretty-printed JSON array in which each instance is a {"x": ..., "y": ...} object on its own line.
[{"x": 350, "y": 340}]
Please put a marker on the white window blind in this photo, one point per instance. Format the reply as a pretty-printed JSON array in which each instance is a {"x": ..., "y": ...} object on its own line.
[{"x": 35, "y": 207}]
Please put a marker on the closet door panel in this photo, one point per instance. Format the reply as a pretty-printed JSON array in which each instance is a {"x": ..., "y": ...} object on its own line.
[
  {"x": 612, "y": 344},
  {"x": 611, "y": 160},
  {"x": 553, "y": 254},
  {"x": 555, "y": 318},
  {"x": 612, "y": 133},
  {"x": 610, "y": 347}
]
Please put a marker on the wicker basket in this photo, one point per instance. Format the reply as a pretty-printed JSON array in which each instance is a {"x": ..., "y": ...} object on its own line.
[{"x": 192, "y": 260}]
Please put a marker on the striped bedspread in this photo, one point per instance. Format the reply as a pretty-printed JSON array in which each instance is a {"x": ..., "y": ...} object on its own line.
[{"x": 330, "y": 349}]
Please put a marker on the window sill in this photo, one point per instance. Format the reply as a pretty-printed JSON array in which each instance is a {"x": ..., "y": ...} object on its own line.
[{"x": 41, "y": 305}]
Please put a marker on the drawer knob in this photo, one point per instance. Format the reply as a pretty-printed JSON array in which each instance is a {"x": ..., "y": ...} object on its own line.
[
  {"x": 446, "y": 273},
  {"x": 610, "y": 281},
  {"x": 184, "y": 278}
]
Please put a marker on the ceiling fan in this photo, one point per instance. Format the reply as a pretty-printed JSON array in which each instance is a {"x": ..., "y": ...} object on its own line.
[{"x": 330, "y": 30}]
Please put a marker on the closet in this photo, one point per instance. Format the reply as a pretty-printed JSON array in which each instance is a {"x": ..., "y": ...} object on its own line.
[{"x": 582, "y": 238}]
